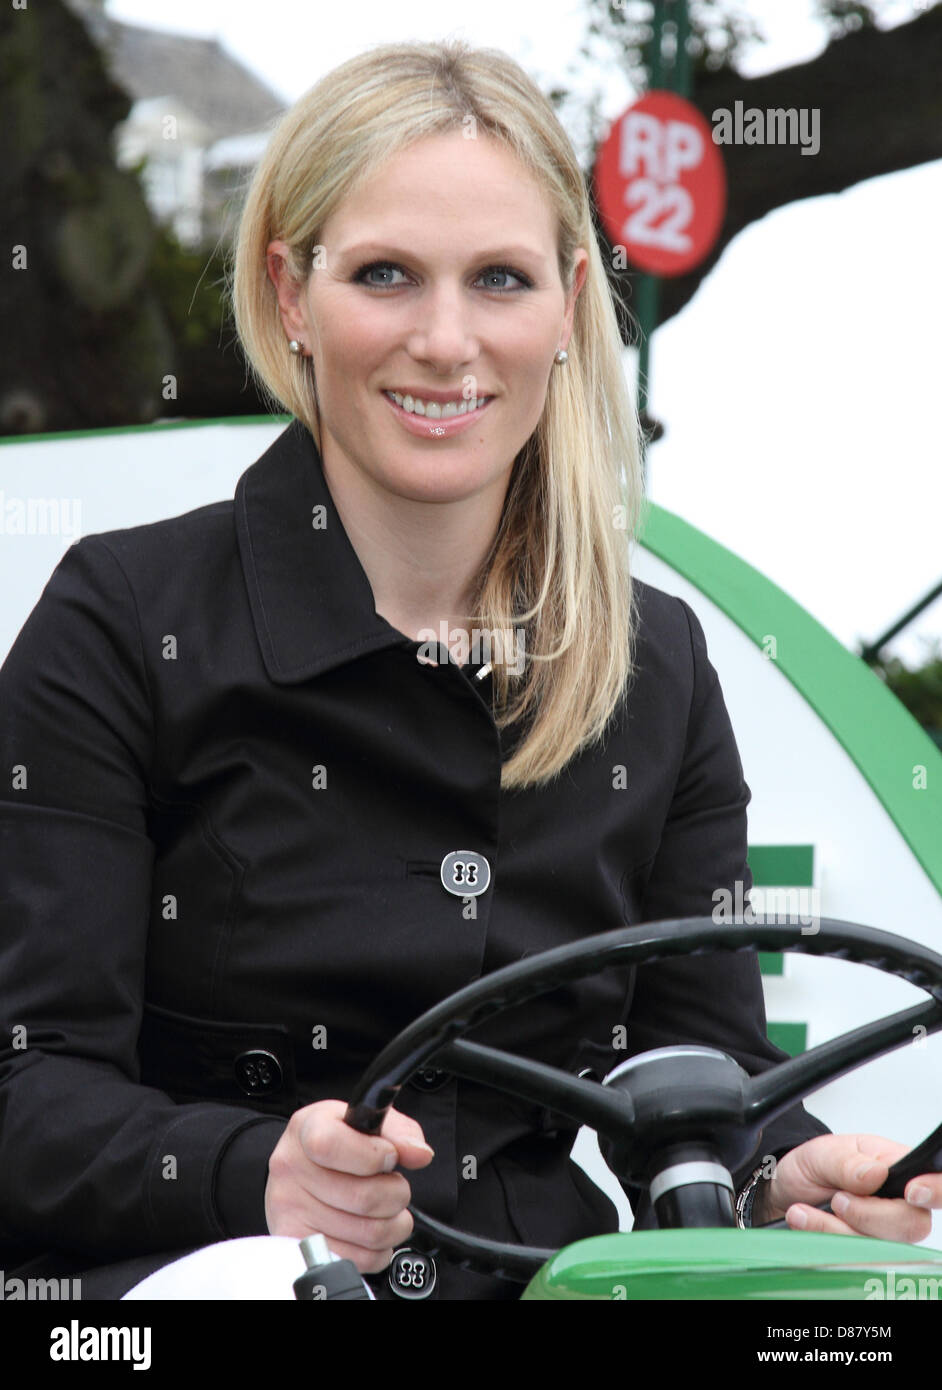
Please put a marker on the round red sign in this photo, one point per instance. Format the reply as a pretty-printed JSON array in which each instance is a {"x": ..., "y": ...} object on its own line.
[{"x": 660, "y": 185}]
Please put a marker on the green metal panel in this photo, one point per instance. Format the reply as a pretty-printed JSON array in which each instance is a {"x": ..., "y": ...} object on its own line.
[
  {"x": 790, "y": 1037},
  {"x": 733, "y": 1264},
  {"x": 782, "y": 866}
]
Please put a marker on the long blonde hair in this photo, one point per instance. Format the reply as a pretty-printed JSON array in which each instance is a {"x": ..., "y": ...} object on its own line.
[{"x": 559, "y": 566}]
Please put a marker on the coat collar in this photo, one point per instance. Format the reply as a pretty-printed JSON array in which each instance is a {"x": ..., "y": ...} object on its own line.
[{"x": 311, "y": 601}]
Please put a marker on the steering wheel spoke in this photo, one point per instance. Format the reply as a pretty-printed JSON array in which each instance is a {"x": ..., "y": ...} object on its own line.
[
  {"x": 773, "y": 1091},
  {"x": 584, "y": 1101}
]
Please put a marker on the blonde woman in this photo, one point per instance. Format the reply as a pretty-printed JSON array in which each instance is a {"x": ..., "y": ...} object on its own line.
[{"x": 302, "y": 765}]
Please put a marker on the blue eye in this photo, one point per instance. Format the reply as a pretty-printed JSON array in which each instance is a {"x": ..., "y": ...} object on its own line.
[
  {"x": 377, "y": 265},
  {"x": 390, "y": 268},
  {"x": 505, "y": 270}
]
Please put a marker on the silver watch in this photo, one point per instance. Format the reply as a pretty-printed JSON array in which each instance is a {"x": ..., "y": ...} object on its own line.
[{"x": 746, "y": 1199}]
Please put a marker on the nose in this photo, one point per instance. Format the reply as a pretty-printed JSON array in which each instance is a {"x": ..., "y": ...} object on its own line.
[{"x": 442, "y": 335}]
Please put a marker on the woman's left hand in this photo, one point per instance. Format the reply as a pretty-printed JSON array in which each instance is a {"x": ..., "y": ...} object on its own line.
[{"x": 845, "y": 1169}]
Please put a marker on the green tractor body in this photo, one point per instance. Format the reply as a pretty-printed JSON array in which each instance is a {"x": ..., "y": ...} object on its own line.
[{"x": 734, "y": 1264}]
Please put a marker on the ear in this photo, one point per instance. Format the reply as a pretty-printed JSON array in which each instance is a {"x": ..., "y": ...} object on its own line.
[
  {"x": 288, "y": 289},
  {"x": 581, "y": 259}
]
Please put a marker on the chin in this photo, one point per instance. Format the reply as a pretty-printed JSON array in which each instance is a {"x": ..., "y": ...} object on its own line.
[
  {"x": 437, "y": 489},
  {"x": 443, "y": 476}
]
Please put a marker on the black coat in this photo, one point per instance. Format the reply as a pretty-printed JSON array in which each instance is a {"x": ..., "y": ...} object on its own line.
[{"x": 229, "y": 786}]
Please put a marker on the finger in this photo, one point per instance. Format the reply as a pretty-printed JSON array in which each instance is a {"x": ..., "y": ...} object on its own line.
[
  {"x": 366, "y": 1261},
  {"x": 370, "y": 1235},
  {"x": 384, "y": 1195},
  {"x": 879, "y": 1147},
  {"x": 856, "y": 1163},
  {"x": 854, "y": 1170},
  {"x": 410, "y": 1142},
  {"x": 869, "y": 1174},
  {"x": 327, "y": 1140},
  {"x": 925, "y": 1191},
  {"x": 803, "y": 1218},
  {"x": 414, "y": 1155},
  {"x": 861, "y": 1175},
  {"x": 880, "y": 1217}
]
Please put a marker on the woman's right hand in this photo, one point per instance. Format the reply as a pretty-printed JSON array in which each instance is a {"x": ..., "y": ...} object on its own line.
[{"x": 325, "y": 1177}]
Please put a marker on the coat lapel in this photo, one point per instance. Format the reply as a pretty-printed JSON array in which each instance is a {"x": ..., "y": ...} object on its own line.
[{"x": 311, "y": 601}]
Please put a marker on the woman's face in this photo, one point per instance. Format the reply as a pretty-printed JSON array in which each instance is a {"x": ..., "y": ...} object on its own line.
[{"x": 439, "y": 276}]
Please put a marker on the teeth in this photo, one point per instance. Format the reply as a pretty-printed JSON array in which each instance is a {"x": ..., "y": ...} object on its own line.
[{"x": 432, "y": 409}]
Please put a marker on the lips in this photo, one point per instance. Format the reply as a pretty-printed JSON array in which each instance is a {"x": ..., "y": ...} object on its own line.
[{"x": 438, "y": 422}]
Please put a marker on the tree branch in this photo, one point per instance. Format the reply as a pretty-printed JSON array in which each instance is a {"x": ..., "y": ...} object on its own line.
[{"x": 880, "y": 98}]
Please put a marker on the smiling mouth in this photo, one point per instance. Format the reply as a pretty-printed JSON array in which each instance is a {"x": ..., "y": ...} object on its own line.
[{"x": 436, "y": 410}]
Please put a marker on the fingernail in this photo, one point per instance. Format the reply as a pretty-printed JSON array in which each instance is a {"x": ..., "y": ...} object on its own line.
[
  {"x": 862, "y": 1172},
  {"x": 798, "y": 1218},
  {"x": 919, "y": 1196},
  {"x": 840, "y": 1202},
  {"x": 390, "y": 1161},
  {"x": 427, "y": 1147}
]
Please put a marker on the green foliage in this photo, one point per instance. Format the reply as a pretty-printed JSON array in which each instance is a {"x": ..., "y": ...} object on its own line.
[
  {"x": 844, "y": 16},
  {"x": 919, "y": 689},
  {"x": 103, "y": 238},
  {"x": 190, "y": 286},
  {"x": 719, "y": 31}
]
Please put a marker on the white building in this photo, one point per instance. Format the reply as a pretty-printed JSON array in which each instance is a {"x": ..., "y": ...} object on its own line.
[{"x": 199, "y": 122}]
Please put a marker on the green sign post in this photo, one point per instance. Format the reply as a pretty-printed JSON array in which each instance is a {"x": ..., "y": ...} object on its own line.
[{"x": 667, "y": 62}]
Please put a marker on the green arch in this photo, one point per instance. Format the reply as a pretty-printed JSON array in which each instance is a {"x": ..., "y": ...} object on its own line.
[{"x": 876, "y": 731}]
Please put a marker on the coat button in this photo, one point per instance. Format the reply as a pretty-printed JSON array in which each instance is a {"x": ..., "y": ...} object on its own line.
[
  {"x": 412, "y": 1274},
  {"x": 429, "y": 1079},
  {"x": 465, "y": 873},
  {"x": 258, "y": 1072}
]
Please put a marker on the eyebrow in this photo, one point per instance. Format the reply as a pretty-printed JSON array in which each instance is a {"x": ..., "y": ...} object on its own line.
[{"x": 386, "y": 248}]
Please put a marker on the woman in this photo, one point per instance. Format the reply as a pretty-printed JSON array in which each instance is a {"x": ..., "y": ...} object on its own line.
[{"x": 262, "y": 816}]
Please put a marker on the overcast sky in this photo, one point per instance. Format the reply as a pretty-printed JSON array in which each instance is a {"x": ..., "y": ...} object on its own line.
[{"x": 802, "y": 425}]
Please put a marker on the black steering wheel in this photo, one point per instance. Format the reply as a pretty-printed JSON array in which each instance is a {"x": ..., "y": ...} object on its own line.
[{"x": 676, "y": 1120}]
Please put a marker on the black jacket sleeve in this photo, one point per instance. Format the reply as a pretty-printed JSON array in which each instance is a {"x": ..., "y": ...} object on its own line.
[
  {"x": 711, "y": 1000},
  {"x": 91, "y": 1160}
]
